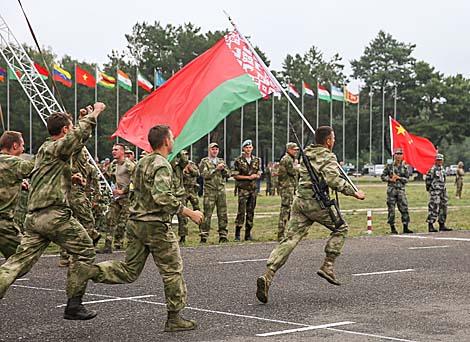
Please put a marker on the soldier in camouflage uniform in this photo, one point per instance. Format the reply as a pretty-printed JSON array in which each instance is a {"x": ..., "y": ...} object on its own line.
[
  {"x": 215, "y": 172},
  {"x": 306, "y": 210},
  {"x": 150, "y": 232},
  {"x": 190, "y": 174},
  {"x": 288, "y": 177},
  {"x": 275, "y": 179},
  {"x": 49, "y": 216},
  {"x": 436, "y": 186},
  {"x": 179, "y": 164},
  {"x": 13, "y": 170},
  {"x": 459, "y": 180},
  {"x": 247, "y": 170},
  {"x": 396, "y": 175}
]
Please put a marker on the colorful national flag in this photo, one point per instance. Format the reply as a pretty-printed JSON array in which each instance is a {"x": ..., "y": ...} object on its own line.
[
  {"x": 85, "y": 78},
  {"x": 417, "y": 151},
  {"x": 337, "y": 93},
  {"x": 159, "y": 80},
  {"x": 62, "y": 76},
  {"x": 123, "y": 80},
  {"x": 293, "y": 90},
  {"x": 306, "y": 89},
  {"x": 199, "y": 96},
  {"x": 350, "y": 97},
  {"x": 323, "y": 94},
  {"x": 106, "y": 81},
  {"x": 144, "y": 83},
  {"x": 3, "y": 74},
  {"x": 15, "y": 76},
  {"x": 43, "y": 73}
]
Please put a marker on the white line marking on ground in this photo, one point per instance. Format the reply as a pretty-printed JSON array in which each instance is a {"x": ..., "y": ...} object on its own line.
[
  {"x": 110, "y": 300},
  {"x": 240, "y": 261},
  {"x": 312, "y": 327},
  {"x": 371, "y": 335},
  {"x": 429, "y": 247},
  {"x": 432, "y": 238},
  {"x": 384, "y": 272},
  {"x": 22, "y": 279}
]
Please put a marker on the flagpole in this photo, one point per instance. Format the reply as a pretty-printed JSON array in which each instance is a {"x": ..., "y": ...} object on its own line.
[
  {"x": 96, "y": 100},
  {"x": 357, "y": 129},
  {"x": 318, "y": 106},
  {"x": 395, "y": 103},
  {"x": 241, "y": 126},
  {"x": 391, "y": 134},
  {"x": 8, "y": 99},
  {"x": 331, "y": 106},
  {"x": 288, "y": 119},
  {"x": 383, "y": 124},
  {"x": 256, "y": 127},
  {"x": 117, "y": 102},
  {"x": 75, "y": 92},
  {"x": 136, "y": 102},
  {"x": 371, "y": 95},
  {"x": 344, "y": 125},
  {"x": 272, "y": 129},
  {"x": 225, "y": 140},
  {"x": 30, "y": 127},
  {"x": 302, "y": 133}
]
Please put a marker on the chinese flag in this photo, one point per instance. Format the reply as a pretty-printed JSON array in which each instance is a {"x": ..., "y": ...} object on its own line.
[
  {"x": 85, "y": 78},
  {"x": 417, "y": 151}
]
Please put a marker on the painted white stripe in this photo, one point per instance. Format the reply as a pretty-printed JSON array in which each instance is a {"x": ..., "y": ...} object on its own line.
[
  {"x": 371, "y": 335},
  {"x": 384, "y": 272},
  {"x": 240, "y": 261},
  {"x": 313, "y": 327},
  {"x": 22, "y": 279},
  {"x": 432, "y": 238},
  {"x": 429, "y": 247},
  {"x": 110, "y": 300}
]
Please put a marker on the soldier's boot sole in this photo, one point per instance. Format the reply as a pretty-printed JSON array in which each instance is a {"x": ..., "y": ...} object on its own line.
[
  {"x": 80, "y": 315},
  {"x": 262, "y": 289},
  {"x": 328, "y": 278},
  {"x": 181, "y": 325}
]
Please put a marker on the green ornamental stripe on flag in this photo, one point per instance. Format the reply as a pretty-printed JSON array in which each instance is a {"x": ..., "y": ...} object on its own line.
[
  {"x": 323, "y": 94},
  {"x": 337, "y": 93},
  {"x": 124, "y": 80},
  {"x": 200, "y": 95}
]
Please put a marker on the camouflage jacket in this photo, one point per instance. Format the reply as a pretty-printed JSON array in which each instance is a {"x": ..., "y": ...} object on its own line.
[
  {"x": 325, "y": 163},
  {"x": 51, "y": 179},
  {"x": 13, "y": 170},
  {"x": 287, "y": 174},
  {"x": 459, "y": 174},
  {"x": 178, "y": 166},
  {"x": 121, "y": 174},
  {"x": 400, "y": 170},
  {"x": 190, "y": 177},
  {"x": 79, "y": 163},
  {"x": 214, "y": 180},
  {"x": 154, "y": 198},
  {"x": 243, "y": 168},
  {"x": 436, "y": 178}
]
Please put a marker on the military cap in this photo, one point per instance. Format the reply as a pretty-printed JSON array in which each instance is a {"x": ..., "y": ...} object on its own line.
[
  {"x": 398, "y": 150},
  {"x": 292, "y": 145},
  {"x": 247, "y": 142},
  {"x": 213, "y": 144},
  {"x": 185, "y": 152},
  {"x": 439, "y": 156},
  {"x": 127, "y": 150}
]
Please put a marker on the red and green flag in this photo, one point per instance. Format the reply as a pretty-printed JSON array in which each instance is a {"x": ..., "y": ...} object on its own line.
[
  {"x": 194, "y": 100},
  {"x": 43, "y": 73}
]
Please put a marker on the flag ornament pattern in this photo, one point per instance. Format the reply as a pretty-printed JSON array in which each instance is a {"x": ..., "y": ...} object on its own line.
[
  {"x": 84, "y": 77},
  {"x": 323, "y": 93},
  {"x": 43, "y": 73},
  {"x": 419, "y": 152},
  {"x": 106, "y": 81},
  {"x": 306, "y": 89},
  {"x": 350, "y": 97},
  {"x": 337, "y": 93},
  {"x": 144, "y": 83},
  {"x": 62, "y": 76},
  {"x": 3, "y": 74},
  {"x": 292, "y": 90},
  {"x": 123, "y": 80}
]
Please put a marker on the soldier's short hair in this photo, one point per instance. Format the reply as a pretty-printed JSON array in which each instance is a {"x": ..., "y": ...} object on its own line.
[
  {"x": 157, "y": 135},
  {"x": 57, "y": 121},
  {"x": 120, "y": 144},
  {"x": 322, "y": 133},
  {"x": 8, "y": 138}
]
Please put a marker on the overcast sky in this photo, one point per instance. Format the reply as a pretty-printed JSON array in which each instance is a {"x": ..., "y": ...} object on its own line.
[{"x": 89, "y": 30}]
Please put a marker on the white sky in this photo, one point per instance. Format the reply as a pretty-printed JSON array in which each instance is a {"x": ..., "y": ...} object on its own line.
[{"x": 89, "y": 30}]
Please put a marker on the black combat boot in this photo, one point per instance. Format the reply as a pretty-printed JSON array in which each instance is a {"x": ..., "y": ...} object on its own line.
[
  {"x": 96, "y": 239},
  {"x": 248, "y": 234},
  {"x": 177, "y": 323},
  {"x": 182, "y": 240},
  {"x": 223, "y": 239},
  {"x": 393, "y": 230},
  {"x": 76, "y": 311},
  {"x": 203, "y": 240},
  {"x": 431, "y": 228},
  {"x": 443, "y": 228},
  {"x": 237, "y": 233},
  {"x": 327, "y": 271},
  {"x": 406, "y": 230}
]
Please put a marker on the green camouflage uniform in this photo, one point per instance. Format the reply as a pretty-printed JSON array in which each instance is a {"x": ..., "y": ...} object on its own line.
[
  {"x": 13, "y": 170},
  {"x": 214, "y": 195},
  {"x": 267, "y": 176},
  {"x": 149, "y": 232},
  {"x": 459, "y": 182},
  {"x": 396, "y": 191},
  {"x": 436, "y": 186},
  {"x": 49, "y": 215},
  {"x": 275, "y": 179},
  {"x": 191, "y": 186},
  {"x": 21, "y": 208},
  {"x": 288, "y": 176},
  {"x": 178, "y": 164},
  {"x": 246, "y": 192},
  {"x": 306, "y": 210}
]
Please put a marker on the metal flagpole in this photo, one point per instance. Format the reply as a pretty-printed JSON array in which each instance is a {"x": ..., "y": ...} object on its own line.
[
  {"x": 288, "y": 118},
  {"x": 344, "y": 125},
  {"x": 241, "y": 126},
  {"x": 117, "y": 102},
  {"x": 256, "y": 127},
  {"x": 8, "y": 99},
  {"x": 96, "y": 100},
  {"x": 357, "y": 128},
  {"x": 331, "y": 107},
  {"x": 136, "y": 102},
  {"x": 30, "y": 127},
  {"x": 395, "y": 103},
  {"x": 383, "y": 124},
  {"x": 318, "y": 107},
  {"x": 303, "y": 112},
  {"x": 272, "y": 129},
  {"x": 225, "y": 140},
  {"x": 371, "y": 95},
  {"x": 75, "y": 92}
]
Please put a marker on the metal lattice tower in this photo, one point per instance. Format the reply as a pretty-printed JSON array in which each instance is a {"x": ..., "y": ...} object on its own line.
[{"x": 35, "y": 88}]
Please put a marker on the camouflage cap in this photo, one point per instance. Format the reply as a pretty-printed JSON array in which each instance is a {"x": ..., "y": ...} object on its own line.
[
  {"x": 439, "y": 156},
  {"x": 398, "y": 150},
  {"x": 292, "y": 145},
  {"x": 213, "y": 144},
  {"x": 128, "y": 150},
  {"x": 247, "y": 142}
]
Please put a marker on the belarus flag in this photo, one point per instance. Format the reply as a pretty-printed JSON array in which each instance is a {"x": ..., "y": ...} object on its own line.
[
  {"x": 292, "y": 90},
  {"x": 307, "y": 90}
]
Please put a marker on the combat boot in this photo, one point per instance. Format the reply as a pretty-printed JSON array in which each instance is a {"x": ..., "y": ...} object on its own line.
[
  {"x": 177, "y": 323},
  {"x": 203, "y": 240},
  {"x": 431, "y": 228},
  {"x": 393, "y": 230},
  {"x": 223, "y": 239},
  {"x": 107, "y": 249},
  {"x": 64, "y": 262},
  {"x": 182, "y": 240},
  {"x": 248, "y": 234},
  {"x": 443, "y": 228},
  {"x": 237, "y": 233},
  {"x": 76, "y": 311},
  {"x": 262, "y": 286},
  {"x": 406, "y": 230},
  {"x": 327, "y": 271},
  {"x": 96, "y": 239}
]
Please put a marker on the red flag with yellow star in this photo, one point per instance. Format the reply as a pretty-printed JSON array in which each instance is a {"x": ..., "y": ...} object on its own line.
[
  {"x": 84, "y": 77},
  {"x": 417, "y": 151}
]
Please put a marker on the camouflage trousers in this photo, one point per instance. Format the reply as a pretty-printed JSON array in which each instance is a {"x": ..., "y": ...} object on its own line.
[
  {"x": 214, "y": 199},
  {"x": 146, "y": 238},
  {"x": 183, "y": 220},
  {"x": 287, "y": 196},
  {"x": 10, "y": 237},
  {"x": 21, "y": 209},
  {"x": 458, "y": 188},
  {"x": 246, "y": 206},
  {"x": 397, "y": 197},
  {"x": 53, "y": 224},
  {"x": 437, "y": 207},
  {"x": 191, "y": 197},
  {"x": 116, "y": 220},
  {"x": 304, "y": 213}
]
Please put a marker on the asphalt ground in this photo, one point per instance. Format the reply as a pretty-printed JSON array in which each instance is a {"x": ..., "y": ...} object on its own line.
[{"x": 425, "y": 297}]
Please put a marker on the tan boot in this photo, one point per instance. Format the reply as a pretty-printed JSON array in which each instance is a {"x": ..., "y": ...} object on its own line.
[
  {"x": 64, "y": 262},
  {"x": 327, "y": 271},
  {"x": 177, "y": 323},
  {"x": 262, "y": 286}
]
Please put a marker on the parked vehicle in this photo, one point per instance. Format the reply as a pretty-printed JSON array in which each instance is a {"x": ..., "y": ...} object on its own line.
[
  {"x": 378, "y": 170},
  {"x": 451, "y": 170}
]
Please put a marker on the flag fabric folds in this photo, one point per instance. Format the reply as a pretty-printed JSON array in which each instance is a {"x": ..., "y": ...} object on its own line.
[
  {"x": 123, "y": 80},
  {"x": 43, "y": 73},
  {"x": 3, "y": 74},
  {"x": 199, "y": 96},
  {"x": 84, "y": 77},
  {"x": 337, "y": 93},
  {"x": 293, "y": 90},
  {"x": 350, "y": 97},
  {"x": 159, "y": 80},
  {"x": 106, "y": 81},
  {"x": 306, "y": 89},
  {"x": 62, "y": 76},
  {"x": 13, "y": 75},
  {"x": 419, "y": 152},
  {"x": 323, "y": 93},
  {"x": 144, "y": 83}
]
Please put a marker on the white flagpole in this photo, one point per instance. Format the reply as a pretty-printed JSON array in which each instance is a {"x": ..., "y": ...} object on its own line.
[
  {"x": 371, "y": 95},
  {"x": 395, "y": 104},
  {"x": 75, "y": 92},
  {"x": 391, "y": 134},
  {"x": 256, "y": 127},
  {"x": 383, "y": 124},
  {"x": 331, "y": 106},
  {"x": 117, "y": 101},
  {"x": 136, "y": 102},
  {"x": 357, "y": 128},
  {"x": 241, "y": 126},
  {"x": 318, "y": 107},
  {"x": 344, "y": 124},
  {"x": 303, "y": 112},
  {"x": 288, "y": 119},
  {"x": 272, "y": 129},
  {"x": 8, "y": 99},
  {"x": 96, "y": 100},
  {"x": 30, "y": 128},
  {"x": 225, "y": 140}
]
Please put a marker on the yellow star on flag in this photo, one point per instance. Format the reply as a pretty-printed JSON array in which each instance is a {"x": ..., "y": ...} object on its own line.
[
  {"x": 400, "y": 130},
  {"x": 85, "y": 77}
]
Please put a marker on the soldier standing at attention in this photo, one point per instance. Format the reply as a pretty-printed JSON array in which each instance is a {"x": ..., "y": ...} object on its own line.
[
  {"x": 178, "y": 164},
  {"x": 436, "y": 186},
  {"x": 396, "y": 175},
  {"x": 215, "y": 172},
  {"x": 306, "y": 210},
  {"x": 49, "y": 215},
  {"x": 247, "y": 170},
  {"x": 13, "y": 170},
  {"x": 459, "y": 180},
  {"x": 150, "y": 232},
  {"x": 288, "y": 177}
]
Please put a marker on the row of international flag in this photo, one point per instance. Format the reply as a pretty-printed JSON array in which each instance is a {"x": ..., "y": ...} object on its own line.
[
  {"x": 335, "y": 93},
  {"x": 89, "y": 79}
]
